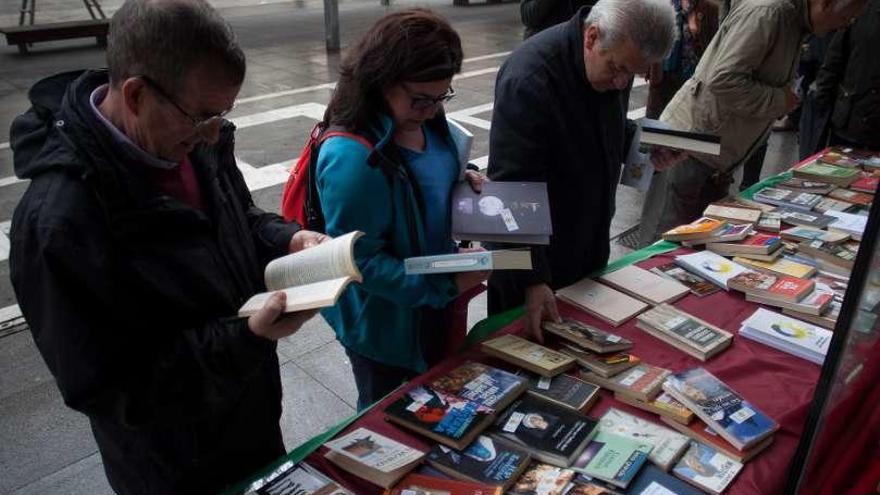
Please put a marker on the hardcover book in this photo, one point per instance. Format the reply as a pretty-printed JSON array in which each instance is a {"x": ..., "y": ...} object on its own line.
[
  {"x": 601, "y": 301},
  {"x": 664, "y": 405},
  {"x": 707, "y": 469},
  {"x": 369, "y": 455},
  {"x": 485, "y": 385},
  {"x": 504, "y": 259},
  {"x": 517, "y": 212},
  {"x": 808, "y": 186},
  {"x": 642, "y": 382},
  {"x": 483, "y": 461},
  {"x": 787, "y": 334},
  {"x": 854, "y": 197},
  {"x": 527, "y": 354},
  {"x": 699, "y": 431},
  {"x": 832, "y": 253},
  {"x": 419, "y": 484},
  {"x": 728, "y": 233},
  {"x": 587, "y": 336},
  {"x": 711, "y": 266},
  {"x": 653, "y": 481},
  {"x": 551, "y": 433},
  {"x": 448, "y": 419},
  {"x": 786, "y": 197},
  {"x": 655, "y": 132},
  {"x": 782, "y": 266},
  {"x": 700, "y": 228},
  {"x": 803, "y": 218},
  {"x": 698, "y": 285},
  {"x": 728, "y": 413},
  {"x": 644, "y": 285},
  {"x": 668, "y": 445},
  {"x": 565, "y": 390},
  {"x": 799, "y": 234},
  {"x": 685, "y": 332},
  {"x": 605, "y": 365},
  {"x": 732, "y": 214},
  {"x": 613, "y": 458},
  {"x": 773, "y": 286},
  {"x": 311, "y": 278},
  {"x": 543, "y": 479},
  {"x": 839, "y": 176}
]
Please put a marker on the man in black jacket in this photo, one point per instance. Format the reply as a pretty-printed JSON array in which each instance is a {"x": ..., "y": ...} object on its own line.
[
  {"x": 559, "y": 119},
  {"x": 538, "y": 15},
  {"x": 136, "y": 242}
]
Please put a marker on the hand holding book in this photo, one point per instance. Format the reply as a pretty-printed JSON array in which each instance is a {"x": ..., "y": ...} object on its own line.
[
  {"x": 540, "y": 305},
  {"x": 665, "y": 158},
  {"x": 272, "y": 323}
]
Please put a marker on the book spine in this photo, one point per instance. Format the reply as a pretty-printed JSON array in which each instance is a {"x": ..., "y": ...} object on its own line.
[{"x": 449, "y": 263}]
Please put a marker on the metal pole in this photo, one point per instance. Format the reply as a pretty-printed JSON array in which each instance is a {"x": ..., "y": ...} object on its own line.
[{"x": 331, "y": 25}]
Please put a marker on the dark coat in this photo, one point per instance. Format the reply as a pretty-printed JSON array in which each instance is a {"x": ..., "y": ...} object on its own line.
[
  {"x": 848, "y": 84},
  {"x": 538, "y": 15},
  {"x": 549, "y": 125},
  {"x": 131, "y": 296}
]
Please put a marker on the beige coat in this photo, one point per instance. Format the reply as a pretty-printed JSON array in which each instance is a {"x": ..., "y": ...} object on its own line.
[{"x": 739, "y": 86}]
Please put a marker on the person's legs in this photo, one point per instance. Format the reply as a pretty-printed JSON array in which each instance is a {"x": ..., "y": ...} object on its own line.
[
  {"x": 752, "y": 167},
  {"x": 375, "y": 380}
]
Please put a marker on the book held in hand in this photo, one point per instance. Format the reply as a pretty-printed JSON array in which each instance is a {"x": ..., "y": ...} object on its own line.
[
  {"x": 311, "y": 278},
  {"x": 543, "y": 479},
  {"x": 613, "y": 458},
  {"x": 515, "y": 212},
  {"x": 373, "y": 457},
  {"x": 644, "y": 285},
  {"x": 483, "y": 384},
  {"x": 587, "y": 336},
  {"x": 551, "y": 433},
  {"x": 419, "y": 484},
  {"x": 698, "y": 285},
  {"x": 601, "y": 301},
  {"x": 711, "y": 266},
  {"x": 728, "y": 413},
  {"x": 685, "y": 332},
  {"x": 707, "y": 469},
  {"x": 527, "y": 354},
  {"x": 565, "y": 390},
  {"x": 668, "y": 445},
  {"x": 787, "y": 334},
  {"x": 483, "y": 461},
  {"x": 502, "y": 259},
  {"x": 658, "y": 133},
  {"x": 643, "y": 382},
  {"x": 451, "y": 420}
]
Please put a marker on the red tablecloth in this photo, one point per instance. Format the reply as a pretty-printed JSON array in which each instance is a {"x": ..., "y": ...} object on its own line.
[{"x": 779, "y": 384}]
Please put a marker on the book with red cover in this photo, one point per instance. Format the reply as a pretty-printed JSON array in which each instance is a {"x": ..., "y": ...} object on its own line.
[
  {"x": 753, "y": 244},
  {"x": 419, "y": 484},
  {"x": 773, "y": 286},
  {"x": 867, "y": 183}
]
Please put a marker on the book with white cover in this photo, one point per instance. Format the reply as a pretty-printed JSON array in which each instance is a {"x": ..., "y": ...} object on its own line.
[
  {"x": 602, "y": 301},
  {"x": 372, "y": 456},
  {"x": 471, "y": 261},
  {"x": 644, "y": 285},
  {"x": 711, "y": 266},
  {"x": 848, "y": 223},
  {"x": 788, "y": 334},
  {"x": 668, "y": 445},
  {"x": 707, "y": 469}
]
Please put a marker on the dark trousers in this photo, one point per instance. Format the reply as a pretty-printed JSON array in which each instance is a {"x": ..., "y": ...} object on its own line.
[{"x": 752, "y": 167}]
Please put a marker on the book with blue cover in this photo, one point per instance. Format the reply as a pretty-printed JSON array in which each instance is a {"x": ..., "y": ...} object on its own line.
[
  {"x": 707, "y": 469},
  {"x": 483, "y": 384},
  {"x": 471, "y": 261},
  {"x": 613, "y": 458},
  {"x": 653, "y": 481},
  {"x": 451, "y": 420},
  {"x": 728, "y": 413},
  {"x": 484, "y": 461}
]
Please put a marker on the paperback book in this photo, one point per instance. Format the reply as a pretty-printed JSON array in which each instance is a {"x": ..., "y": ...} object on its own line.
[
  {"x": 483, "y": 461},
  {"x": 787, "y": 334},
  {"x": 815, "y": 303},
  {"x": 786, "y": 197},
  {"x": 642, "y": 284},
  {"x": 587, "y": 336},
  {"x": 728, "y": 413},
  {"x": 606, "y": 365},
  {"x": 728, "y": 233},
  {"x": 804, "y": 218},
  {"x": 527, "y": 354},
  {"x": 831, "y": 204},
  {"x": 643, "y": 382},
  {"x": 699, "y": 431},
  {"x": 419, "y": 484},
  {"x": 855, "y": 197},
  {"x": 698, "y": 285},
  {"x": 867, "y": 184},
  {"x": 848, "y": 223},
  {"x": 369, "y": 455},
  {"x": 516, "y": 212},
  {"x": 603, "y": 302},
  {"x": 295, "y": 479},
  {"x": 550, "y": 433},
  {"x": 664, "y": 405},
  {"x": 799, "y": 234},
  {"x": 832, "y": 253},
  {"x": 838, "y": 176},
  {"x": 782, "y": 266},
  {"x": 772, "y": 286},
  {"x": 700, "y": 228},
  {"x": 770, "y": 222},
  {"x": 711, "y": 266},
  {"x": 732, "y": 214},
  {"x": 504, "y": 259},
  {"x": 707, "y": 469},
  {"x": 613, "y": 458},
  {"x": 565, "y": 390},
  {"x": 543, "y": 479},
  {"x": 668, "y": 445},
  {"x": 654, "y": 481},
  {"x": 685, "y": 332},
  {"x": 807, "y": 186},
  {"x": 485, "y": 385},
  {"x": 753, "y": 244}
]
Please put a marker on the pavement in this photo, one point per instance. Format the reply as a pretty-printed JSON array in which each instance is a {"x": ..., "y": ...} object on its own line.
[{"x": 46, "y": 448}]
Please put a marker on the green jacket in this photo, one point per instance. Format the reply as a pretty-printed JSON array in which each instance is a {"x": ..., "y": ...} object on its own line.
[{"x": 374, "y": 192}]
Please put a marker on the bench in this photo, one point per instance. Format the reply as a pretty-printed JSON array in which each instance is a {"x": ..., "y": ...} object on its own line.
[{"x": 25, "y": 35}]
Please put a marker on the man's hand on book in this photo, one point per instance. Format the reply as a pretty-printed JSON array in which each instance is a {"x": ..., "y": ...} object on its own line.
[
  {"x": 664, "y": 158},
  {"x": 475, "y": 179},
  {"x": 540, "y": 303},
  {"x": 272, "y": 323},
  {"x": 305, "y": 239}
]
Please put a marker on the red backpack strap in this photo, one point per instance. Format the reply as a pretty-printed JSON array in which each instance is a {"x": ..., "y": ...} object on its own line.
[{"x": 334, "y": 132}]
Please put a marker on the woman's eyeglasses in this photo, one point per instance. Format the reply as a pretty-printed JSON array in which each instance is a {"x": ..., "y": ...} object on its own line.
[{"x": 426, "y": 102}]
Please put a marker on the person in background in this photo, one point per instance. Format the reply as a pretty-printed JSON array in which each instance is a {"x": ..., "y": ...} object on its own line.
[
  {"x": 538, "y": 15},
  {"x": 134, "y": 246},
  {"x": 742, "y": 84},
  {"x": 847, "y": 88},
  {"x": 559, "y": 119},
  {"x": 696, "y": 21},
  {"x": 812, "y": 124},
  {"x": 391, "y": 90}
]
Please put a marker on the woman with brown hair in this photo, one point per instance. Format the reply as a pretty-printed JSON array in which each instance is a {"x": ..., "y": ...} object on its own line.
[{"x": 391, "y": 91}]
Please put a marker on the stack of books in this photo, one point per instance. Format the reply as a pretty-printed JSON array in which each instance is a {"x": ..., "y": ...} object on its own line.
[
  {"x": 701, "y": 228},
  {"x": 848, "y": 223},
  {"x": 762, "y": 247},
  {"x": 831, "y": 174},
  {"x": 699, "y": 431},
  {"x": 685, "y": 332},
  {"x": 854, "y": 197},
  {"x": 605, "y": 365},
  {"x": 835, "y": 254},
  {"x": 807, "y": 186},
  {"x": 729, "y": 233},
  {"x": 798, "y": 234},
  {"x": 666, "y": 406},
  {"x": 770, "y": 289},
  {"x": 787, "y": 334}
]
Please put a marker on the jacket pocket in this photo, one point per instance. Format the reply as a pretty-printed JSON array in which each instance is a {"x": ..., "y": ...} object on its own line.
[{"x": 705, "y": 113}]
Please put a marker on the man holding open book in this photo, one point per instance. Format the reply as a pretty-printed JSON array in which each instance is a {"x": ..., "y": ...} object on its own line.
[
  {"x": 135, "y": 244},
  {"x": 559, "y": 118}
]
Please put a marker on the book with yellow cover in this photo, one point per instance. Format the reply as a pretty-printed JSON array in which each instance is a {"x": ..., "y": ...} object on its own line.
[
  {"x": 781, "y": 266},
  {"x": 529, "y": 355},
  {"x": 702, "y": 227}
]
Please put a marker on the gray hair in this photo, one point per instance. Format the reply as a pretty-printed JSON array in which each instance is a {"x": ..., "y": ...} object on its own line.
[
  {"x": 165, "y": 39},
  {"x": 650, "y": 24}
]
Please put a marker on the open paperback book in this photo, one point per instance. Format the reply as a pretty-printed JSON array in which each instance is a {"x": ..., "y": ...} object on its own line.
[{"x": 311, "y": 278}]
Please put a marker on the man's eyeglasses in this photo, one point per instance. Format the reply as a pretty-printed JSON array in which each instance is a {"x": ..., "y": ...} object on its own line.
[
  {"x": 198, "y": 123},
  {"x": 426, "y": 102}
]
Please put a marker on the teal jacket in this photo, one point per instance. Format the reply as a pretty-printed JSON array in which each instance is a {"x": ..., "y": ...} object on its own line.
[{"x": 373, "y": 192}]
